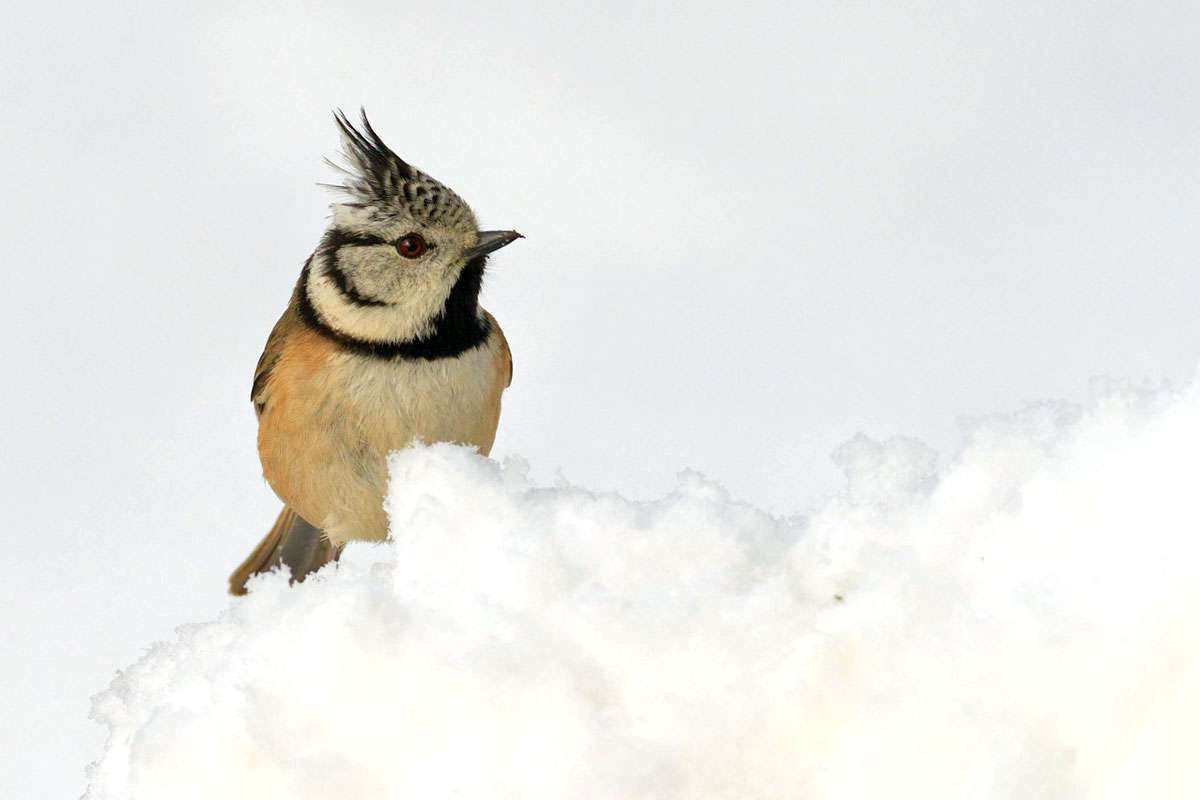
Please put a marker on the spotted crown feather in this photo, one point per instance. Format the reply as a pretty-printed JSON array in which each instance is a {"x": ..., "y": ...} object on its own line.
[{"x": 378, "y": 178}]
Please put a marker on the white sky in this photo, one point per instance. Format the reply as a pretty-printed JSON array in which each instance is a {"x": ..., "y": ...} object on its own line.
[{"x": 751, "y": 234}]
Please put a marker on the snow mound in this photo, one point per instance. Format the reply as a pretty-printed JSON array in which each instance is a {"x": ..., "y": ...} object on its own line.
[{"x": 1021, "y": 622}]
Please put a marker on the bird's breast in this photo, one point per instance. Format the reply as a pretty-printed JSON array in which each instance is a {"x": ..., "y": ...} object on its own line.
[
  {"x": 331, "y": 420},
  {"x": 392, "y": 402}
]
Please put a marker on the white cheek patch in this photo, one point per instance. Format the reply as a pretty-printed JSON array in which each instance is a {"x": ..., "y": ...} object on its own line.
[
  {"x": 373, "y": 272},
  {"x": 414, "y": 299}
]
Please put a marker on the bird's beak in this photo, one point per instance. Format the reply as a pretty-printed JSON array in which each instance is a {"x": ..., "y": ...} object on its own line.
[{"x": 490, "y": 241}]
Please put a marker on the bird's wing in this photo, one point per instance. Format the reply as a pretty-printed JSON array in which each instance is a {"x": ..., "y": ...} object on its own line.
[
  {"x": 287, "y": 325},
  {"x": 505, "y": 352}
]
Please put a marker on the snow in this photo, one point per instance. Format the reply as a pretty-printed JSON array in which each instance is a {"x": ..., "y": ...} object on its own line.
[{"x": 1017, "y": 621}]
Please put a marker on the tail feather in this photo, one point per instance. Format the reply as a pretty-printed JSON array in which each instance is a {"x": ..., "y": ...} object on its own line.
[{"x": 292, "y": 542}]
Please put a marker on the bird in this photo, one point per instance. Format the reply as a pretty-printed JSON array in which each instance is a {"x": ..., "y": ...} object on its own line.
[{"x": 382, "y": 343}]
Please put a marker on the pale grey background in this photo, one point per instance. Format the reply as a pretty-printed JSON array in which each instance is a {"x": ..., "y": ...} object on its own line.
[{"x": 753, "y": 231}]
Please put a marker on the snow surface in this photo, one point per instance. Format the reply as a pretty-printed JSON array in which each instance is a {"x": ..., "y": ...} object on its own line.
[{"x": 1020, "y": 622}]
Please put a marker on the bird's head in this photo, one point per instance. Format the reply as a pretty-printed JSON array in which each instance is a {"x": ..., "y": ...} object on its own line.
[{"x": 402, "y": 260}]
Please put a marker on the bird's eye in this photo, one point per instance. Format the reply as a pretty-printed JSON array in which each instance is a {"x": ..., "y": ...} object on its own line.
[{"x": 411, "y": 246}]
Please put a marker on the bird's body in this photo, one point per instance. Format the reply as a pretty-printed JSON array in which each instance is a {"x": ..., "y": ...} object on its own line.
[
  {"x": 383, "y": 343},
  {"x": 330, "y": 415}
]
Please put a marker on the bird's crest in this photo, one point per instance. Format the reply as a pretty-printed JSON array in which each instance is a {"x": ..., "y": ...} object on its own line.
[{"x": 377, "y": 178}]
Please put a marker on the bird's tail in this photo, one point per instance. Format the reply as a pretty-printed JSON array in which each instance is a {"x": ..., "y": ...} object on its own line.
[{"x": 293, "y": 542}]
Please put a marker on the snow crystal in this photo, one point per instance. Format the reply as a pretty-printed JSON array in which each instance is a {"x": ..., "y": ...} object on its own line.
[{"x": 1017, "y": 622}]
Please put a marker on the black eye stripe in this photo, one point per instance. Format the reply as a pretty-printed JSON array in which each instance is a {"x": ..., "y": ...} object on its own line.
[
  {"x": 337, "y": 237},
  {"x": 365, "y": 240}
]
